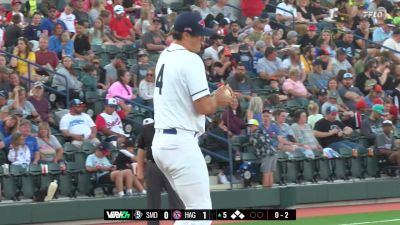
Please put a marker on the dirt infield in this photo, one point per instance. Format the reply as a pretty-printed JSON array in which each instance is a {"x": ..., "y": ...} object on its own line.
[{"x": 306, "y": 212}]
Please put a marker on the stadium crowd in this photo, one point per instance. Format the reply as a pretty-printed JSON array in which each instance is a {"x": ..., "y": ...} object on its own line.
[{"x": 305, "y": 77}]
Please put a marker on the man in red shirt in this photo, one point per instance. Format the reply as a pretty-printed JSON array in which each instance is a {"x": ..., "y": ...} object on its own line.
[
  {"x": 121, "y": 26},
  {"x": 44, "y": 57},
  {"x": 109, "y": 122}
]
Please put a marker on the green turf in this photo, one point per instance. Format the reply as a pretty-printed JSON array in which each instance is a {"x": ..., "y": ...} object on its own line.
[{"x": 376, "y": 218}]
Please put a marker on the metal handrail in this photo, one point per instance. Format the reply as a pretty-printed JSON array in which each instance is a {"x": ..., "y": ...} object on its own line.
[{"x": 43, "y": 68}]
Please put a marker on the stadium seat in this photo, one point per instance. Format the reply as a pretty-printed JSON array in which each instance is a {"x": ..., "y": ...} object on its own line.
[
  {"x": 13, "y": 182},
  {"x": 1, "y": 182},
  {"x": 69, "y": 180},
  {"x": 69, "y": 152},
  {"x": 282, "y": 168},
  {"x": 32, "y": 183},
  {"x": 53, "y": 174}
]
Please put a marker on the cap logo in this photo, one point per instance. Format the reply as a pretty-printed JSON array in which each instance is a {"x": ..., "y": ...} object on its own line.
[{"x": 202, "y": 23}]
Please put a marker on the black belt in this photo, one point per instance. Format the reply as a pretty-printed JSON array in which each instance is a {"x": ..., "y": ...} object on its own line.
[{"x": 174, "y": 131}]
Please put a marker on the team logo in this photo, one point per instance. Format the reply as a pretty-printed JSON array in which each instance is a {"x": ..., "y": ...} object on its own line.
[
  {"x": 177, "y": 215},
  {"x": 138, "y": 214},
  {"x": 202, "y": 23}
]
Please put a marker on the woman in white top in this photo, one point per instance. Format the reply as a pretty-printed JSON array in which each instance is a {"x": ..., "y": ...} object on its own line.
[
  {"x": 286, "y": 16},
  {"x": 146, "y": 87},
  {"x": 19, "y": 153}
]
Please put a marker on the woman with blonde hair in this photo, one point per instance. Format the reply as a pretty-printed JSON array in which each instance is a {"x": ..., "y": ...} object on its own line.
[
  {"x": 50, "y": 149},
  {"x": 20, "y": 102},
  {"x": 255, "y": 109},
  {"x": 8, "y": 126},
  {"x": 313, "y": 114},
  {"x": 94, "y": 13},
  {"x": 143, "y": 24}
]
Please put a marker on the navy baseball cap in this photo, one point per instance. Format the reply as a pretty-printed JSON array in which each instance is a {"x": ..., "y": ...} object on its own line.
[{"x": 192, "y": 23}]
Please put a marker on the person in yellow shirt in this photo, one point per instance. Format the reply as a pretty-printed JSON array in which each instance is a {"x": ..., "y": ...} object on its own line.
[
  {"x": 23, "y": 51},
  {"x": 307, "y": 58}
]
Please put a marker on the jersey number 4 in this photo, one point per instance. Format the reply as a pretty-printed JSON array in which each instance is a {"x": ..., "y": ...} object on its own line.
[{"x": 159, "y": 80}]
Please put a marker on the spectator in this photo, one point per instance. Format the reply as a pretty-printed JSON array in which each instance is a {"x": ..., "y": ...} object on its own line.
[
  {"x": 304, "y": 12},
  {"x": 293, "y": 62},
  {"x": 393, "y": 43},
  {"x": 201, "y": 6},
  {"x": 295, "y": 88},
  {"x": 70, "y": 77},
  {"x": 82, "y": 45},
  {"x": 385, "y": 143},
  {"x": 143, "y": 24},
  {"x": 69, "y": 19},
  {"x": 340, "y": 62},
  {"x": 8, "y": 126},
  {"x": 383, "y": 32},
  {"x": 13, "y": 32},
  {"x": 372, "y": 125},
  {"x": 154, "y": 40},
  {"x": 314, "y": 115},
  {"x": 286, "y": 138},
  {"x": 94, "y": 12},
  {"x": 239, "y": 81},
  {"x": 146, "y": 88},
  {"x": 139, "y": 70},
  {"x": 303, "y": 131},
  {"x": 3, "y": 61},
  {"x": 97, "y": 34},
  {"x": 44, "y": 57},
  {"x": 50, "y": 149},
  {"x": 270, "y": 65},
  {"x": 292, "y": 38},
  {"x": 106, "y": 173},
  {"x": 284, "y": 16},
  {"x": 330, "y": 133},
  {"x": 319, "y": 78},
  {"x": 40, "y": 102},
  {"x": 78, "y": 125},
  {"x": 109, "y": 122},
  {"x": 61, "y": 43},
  {"x": 80, "y": 14},
  {"x": 121, "y": 26},
  {"x": 46, "y": 5},
  {"x": 233, "y": 117},
  {"x": 29, "y": 140},
  {"x": 48, "y": 24},
  {"x": 123, "y": 162},
  {"x": 347, "y": 45},
  {"x": 4, "y": 81},
  {"x": 310, "y": 38},
  {"x": 362, "y": 31},
  {"x": 307, "y": 59},
  {"x": 111, "y": 69},
  {"x": 23, "y": 50},
  {"x": 121, "y": 87},
  {"x": 31, "y": 7},
  {"x": 32, "y": 31},
  {"x": 221, "y": 8},
  {"x": 257, "y": 32},
  {"x": 105, "y": 16},
  {"x": 215, "y": 48},
  {"x": 349, "y": 94},
  {"x": 15, "y": 81},
  {"x": 232, "y": 36},
  {"x": 369, "y": 76},
  {"x": 15, "y": 10},
  {"x": 325, "y": 41},
  {"x": 19, "y": 101},
  {"x": 89, "y": 80},
  {"x": 255, "y": 109},
  {"x": 19, "y": 153},
  {"x": 376, "y": 93}
]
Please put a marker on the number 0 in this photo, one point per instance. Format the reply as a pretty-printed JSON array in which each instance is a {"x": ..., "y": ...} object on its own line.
[
  {"x": 166, "y": 215},
  {"x": 159, "y": 80}
]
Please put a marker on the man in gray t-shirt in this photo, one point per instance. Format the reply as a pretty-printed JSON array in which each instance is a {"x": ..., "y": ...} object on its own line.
[
  {"x": 385, "y": 145},
  {"x": 111, "y": 70},
  {"x": 270, "y": 65},
  {"x": 350, "y": 94},
  {"x": 372, "y": 125}
]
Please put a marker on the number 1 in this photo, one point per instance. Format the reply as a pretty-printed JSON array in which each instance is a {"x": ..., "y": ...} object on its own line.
[
  {"x": 159, "y": 80},
  {"x": 205, "y": 216}
]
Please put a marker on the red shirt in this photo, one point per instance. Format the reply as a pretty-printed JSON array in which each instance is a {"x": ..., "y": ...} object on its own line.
[
  {"x": 251, "y": 8},
  {"x": 122, "y": 27},
  {"x": 42, "y": 58},
  {"x": 101, "y": 122}
]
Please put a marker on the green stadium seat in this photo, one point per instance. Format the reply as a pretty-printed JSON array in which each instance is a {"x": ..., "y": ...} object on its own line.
[
  {"x": 32, "y": 183},
  {"x": 69, "y": 152},
  {"x": 97, "y": 49}
]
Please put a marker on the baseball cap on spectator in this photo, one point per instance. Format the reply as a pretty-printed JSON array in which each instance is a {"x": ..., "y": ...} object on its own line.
[
  {"x": 156, "y": 19},
  {"x": 52, "y": 8},
  {"x": 260, "y": 44},
  {"x": 129, "y": 143},
  {"x": 225, "y": 21},
  {"x": 322, "y": 51},
  {"x": 244, "y": 48},
  {"x": 13, "y": 2},
  {"x": 318, "y": 62},
  {"x": 112, "y": 102},
  {"x": 16, "y": 112},
  {"x": 264, "y": 17},
  {"x": 361, "y": 105},
  {"x": 387, "y": 123},
  {"x": 378, "y": 108},
  {"x": 332, "y": 110},
  {"x": 333, "y": 95},
  {"x": 38, "y": 84},
  {"x": 143, "y": 52},
  {"x": 207, "y": 55},
  {"x": 192, "y": 23},
  {"x": 378, "y": 88},
  {"x": 103, "y": 147},
  {"x": 119, "y": 9},
  {"x": 291, "y": 34},
  {"x": 76, "y": 102},
  {"x": 147, "y": 121},
  {"x": 396, "y": 31},
  {"x": 389, "y": 22},
  {"x": 253, "y": 122},
  {"x": 267, "y": 110},
  {"x": 370, "y": 83},
  {"x": 4, "y": 94},
  {"x": 322, "y": 91},
  {"x": 312, "y": 27},
  {"x": 347, "y": 76},
  {"x": 377, "y": 101}
]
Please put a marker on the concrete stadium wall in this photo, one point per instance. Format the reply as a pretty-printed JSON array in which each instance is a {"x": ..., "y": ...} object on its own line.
[{"x": 81, "y": 209}]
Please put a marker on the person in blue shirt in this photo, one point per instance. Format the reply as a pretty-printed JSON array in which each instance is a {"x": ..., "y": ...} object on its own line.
[
  {"x": 61, "y": 43},
  {"x": 384, "y": 32},
  {"x": 48, "y": 24},
  {"x": 8, "y": 126},
  {"x": 25, "y": 129}
]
